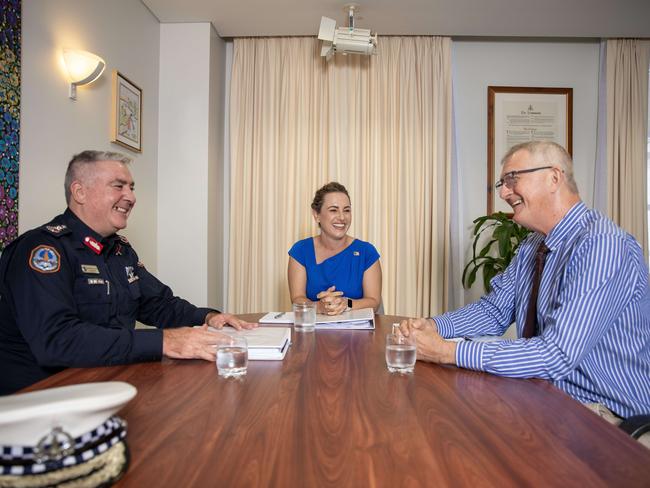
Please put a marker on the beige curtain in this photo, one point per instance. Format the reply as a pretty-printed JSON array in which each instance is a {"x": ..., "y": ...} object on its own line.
[
  {"x": 381, "y": 125},
  {"x": 627, "y": 135}
]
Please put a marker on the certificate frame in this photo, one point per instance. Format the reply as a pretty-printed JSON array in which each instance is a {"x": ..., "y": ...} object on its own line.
[
  {"x": 126, "y": 113},
  {"x": 520, "y": 114}
]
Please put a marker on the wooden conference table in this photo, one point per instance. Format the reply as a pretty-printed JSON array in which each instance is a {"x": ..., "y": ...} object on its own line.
[{"x": 331, "y": 414}]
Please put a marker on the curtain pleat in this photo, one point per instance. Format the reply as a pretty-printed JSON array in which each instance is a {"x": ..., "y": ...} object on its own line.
[
  {"x": 627, "y": 134},
  {"x": 380, "y": 125}
]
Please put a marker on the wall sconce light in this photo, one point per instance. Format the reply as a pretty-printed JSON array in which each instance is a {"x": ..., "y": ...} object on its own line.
[{"x": 83, "y": 68}]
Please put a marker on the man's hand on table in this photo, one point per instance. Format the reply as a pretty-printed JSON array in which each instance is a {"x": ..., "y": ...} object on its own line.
[
  {"x": 218, "y": 320},
  {"x": 431, "y": 346},
  {"x": 200, "y": 342}
]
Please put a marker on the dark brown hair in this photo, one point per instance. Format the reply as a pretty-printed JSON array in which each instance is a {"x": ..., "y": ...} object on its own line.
[{"x": 331, "y": 187}]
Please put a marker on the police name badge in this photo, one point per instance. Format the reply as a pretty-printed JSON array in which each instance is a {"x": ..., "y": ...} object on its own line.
[
  {"x": 45, "y": 259},
  {"x": 89, "y": 269}
]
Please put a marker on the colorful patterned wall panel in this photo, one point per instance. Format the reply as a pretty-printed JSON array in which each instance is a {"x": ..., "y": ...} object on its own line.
[{"x": 9, "y": 118}]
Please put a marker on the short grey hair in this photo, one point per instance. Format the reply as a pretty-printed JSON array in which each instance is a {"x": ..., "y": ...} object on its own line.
[
  {"x": 547, "y": 152},
  {"x": 83, "y": 160}
]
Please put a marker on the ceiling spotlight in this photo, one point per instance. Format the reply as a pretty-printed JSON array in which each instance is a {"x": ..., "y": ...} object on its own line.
[{"x": 346, "y": 40}]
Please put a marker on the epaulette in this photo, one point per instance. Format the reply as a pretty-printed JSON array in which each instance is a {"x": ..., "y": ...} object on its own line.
[{"x": 56, "y": 230}]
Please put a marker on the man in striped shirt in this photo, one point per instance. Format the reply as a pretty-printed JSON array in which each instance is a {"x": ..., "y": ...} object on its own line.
[{"x": 592, "y": 338}]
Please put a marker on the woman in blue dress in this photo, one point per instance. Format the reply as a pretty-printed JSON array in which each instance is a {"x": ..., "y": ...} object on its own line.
[{"x": 334, "y": 269}]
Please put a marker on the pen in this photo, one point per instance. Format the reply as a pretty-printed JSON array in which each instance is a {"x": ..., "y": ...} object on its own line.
[{"x": 278, "y": 315}]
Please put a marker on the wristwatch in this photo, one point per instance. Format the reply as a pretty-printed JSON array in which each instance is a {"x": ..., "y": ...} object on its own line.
[{"x": 349, "y": 303}]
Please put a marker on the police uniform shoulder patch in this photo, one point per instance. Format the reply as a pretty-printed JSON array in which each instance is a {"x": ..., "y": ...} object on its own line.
[{"x": 45, "y": 259}]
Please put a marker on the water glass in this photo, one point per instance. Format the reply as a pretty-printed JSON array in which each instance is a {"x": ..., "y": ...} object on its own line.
[
  {"x": 400, "y": 353},
  {"x": 304, "y": 316},
  {"x": 232, "y": 357}
]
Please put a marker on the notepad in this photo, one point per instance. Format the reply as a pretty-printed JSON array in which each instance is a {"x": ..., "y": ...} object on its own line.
[
  {"x": 360, "y": 319},
  {"x": 264, "y": 343}
]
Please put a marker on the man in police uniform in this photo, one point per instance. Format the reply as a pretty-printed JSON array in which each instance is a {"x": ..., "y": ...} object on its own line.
[{"x": 71, "y": 290}]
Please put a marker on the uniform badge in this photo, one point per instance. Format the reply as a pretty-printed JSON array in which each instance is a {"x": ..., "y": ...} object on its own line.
[
  {"x": 95, "y": 281},
  {"x": 130, "y": 275},
  {"x": 93, "y": 244},
  {"x": 45, "y": 259},
  {"x": 89, "y": 269},
  {"x": 56, "y": 229},
  {"x": 355, "y": 253},
  {"x": 118, "y": 249},
  {"x": 123, "y": 239}
]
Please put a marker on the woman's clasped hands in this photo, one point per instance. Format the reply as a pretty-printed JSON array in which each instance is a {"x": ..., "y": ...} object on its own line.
[{"x": 331, "y": 302}]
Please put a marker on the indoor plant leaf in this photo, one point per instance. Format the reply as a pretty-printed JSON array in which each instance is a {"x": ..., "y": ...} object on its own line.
[{"x": 504, "y": 237}]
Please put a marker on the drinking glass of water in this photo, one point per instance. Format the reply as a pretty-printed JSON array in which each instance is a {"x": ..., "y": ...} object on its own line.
[
  {"x": 232, "y": 357},
  {"x": 304, "y": 316},
  {"x": 400, "y": 353}
]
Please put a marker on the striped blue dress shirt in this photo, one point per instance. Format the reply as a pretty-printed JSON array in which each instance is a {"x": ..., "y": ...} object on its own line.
[{"x": 593, "y": 314}]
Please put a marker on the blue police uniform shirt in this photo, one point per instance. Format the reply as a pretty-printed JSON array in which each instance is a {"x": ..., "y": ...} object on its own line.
[
  {"x": 344, "y": 270},
  {"x": 62, "y": 304}
]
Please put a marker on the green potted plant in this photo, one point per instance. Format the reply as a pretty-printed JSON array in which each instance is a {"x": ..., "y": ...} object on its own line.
[{"x": 504, "y": 236}]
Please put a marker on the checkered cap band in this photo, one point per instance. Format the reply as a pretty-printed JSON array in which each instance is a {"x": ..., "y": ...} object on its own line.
[{"x": 22, "y": 460}]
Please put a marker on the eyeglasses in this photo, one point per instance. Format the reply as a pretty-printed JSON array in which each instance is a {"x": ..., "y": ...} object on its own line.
[{"x": 509, "y": 179}]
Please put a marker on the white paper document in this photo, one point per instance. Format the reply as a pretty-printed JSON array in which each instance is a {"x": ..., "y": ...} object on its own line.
[
  {"x": 264, "y": 343},
  {"x": 362, "y": 318}
]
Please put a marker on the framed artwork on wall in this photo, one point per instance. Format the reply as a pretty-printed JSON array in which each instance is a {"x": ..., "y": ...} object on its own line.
[
  {"x": 127, "y": 113},
  {"x": 523, "y": 114}
]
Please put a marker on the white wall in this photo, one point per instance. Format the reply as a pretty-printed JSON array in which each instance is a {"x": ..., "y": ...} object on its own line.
[
  {"x": 226, "y": 172},
  {"x": 478, "y": 64},
  {"x": 53, "y": 127},
  {"x": 190, "y": 168},
  {"x": 217, "y": 176}
]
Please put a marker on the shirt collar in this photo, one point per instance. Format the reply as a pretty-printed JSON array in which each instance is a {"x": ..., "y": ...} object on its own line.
[
  {"x": 81, "y": 230},
  {"x": 566, "y": 227}
]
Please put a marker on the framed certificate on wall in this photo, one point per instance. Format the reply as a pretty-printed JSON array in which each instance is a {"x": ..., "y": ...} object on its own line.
[{"x": 523, "y": 114}]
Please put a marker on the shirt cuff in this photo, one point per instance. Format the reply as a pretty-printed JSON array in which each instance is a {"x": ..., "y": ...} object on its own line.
[
  {"x": 469, "y": 355},
  {"x": 201, "y": 313},
  {"x": 444, "y": 325},
  {"x": 147, "y": 345}
]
